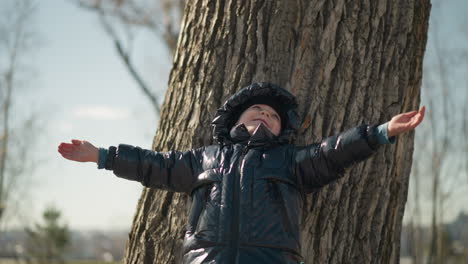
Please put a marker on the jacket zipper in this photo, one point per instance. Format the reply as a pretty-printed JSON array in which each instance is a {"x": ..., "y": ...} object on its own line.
[{"x": 236, "y": 205}]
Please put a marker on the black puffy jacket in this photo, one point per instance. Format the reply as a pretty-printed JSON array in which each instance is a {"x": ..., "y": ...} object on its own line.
[{"x": 247, "y": 190}]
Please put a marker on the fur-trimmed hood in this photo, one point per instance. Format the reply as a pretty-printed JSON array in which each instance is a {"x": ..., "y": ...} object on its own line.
[{"x": 228, "y": 114}]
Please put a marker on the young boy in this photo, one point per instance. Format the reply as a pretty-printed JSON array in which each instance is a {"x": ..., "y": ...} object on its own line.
[{"x": 247, "y": 189}]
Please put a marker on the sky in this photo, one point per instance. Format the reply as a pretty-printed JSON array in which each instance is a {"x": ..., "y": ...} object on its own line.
[{"x": 84, "y": 92}]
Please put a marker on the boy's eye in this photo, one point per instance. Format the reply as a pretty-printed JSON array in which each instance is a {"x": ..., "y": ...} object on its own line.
[
  {"x": 276, "y": 117},
  {"x": 256, "y": 107}
]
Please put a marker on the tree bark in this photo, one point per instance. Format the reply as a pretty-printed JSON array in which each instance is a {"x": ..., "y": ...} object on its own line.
[{"x": 348, "y": 63}]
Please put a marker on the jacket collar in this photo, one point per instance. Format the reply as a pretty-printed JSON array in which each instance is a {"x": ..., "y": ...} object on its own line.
[{"x": 262, "y": 136}]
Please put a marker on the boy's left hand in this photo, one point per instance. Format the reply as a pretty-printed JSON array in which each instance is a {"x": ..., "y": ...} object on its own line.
[{"x": 405, "y": 122}]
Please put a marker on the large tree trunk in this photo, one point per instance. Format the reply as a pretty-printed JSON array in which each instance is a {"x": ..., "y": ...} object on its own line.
[{"x": 348, "y": 62}]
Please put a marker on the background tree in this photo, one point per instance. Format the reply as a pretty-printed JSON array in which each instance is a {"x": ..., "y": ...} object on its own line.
[
  {"x": 441, "y": 153},
  {"x": 18, "y": 130},
  {"x": 348, "y": 63},
  {"x": 124, "y": 19},
  {"x": 47, "y": 242}
]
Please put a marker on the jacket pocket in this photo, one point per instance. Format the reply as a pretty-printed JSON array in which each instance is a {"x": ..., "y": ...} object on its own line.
[
  {"x": 207, "y": 177},
  {"x": 286, "y": 196},
  {"x": 204, "y": 211}
]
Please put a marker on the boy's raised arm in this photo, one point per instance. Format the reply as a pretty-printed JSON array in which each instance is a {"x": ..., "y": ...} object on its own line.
[
  {"x": 173, "y": 170},
  {"x": 320, "y": 164}
]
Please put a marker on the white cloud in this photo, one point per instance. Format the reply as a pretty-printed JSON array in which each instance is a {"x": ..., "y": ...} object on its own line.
[{"x": 100, "y": 112}]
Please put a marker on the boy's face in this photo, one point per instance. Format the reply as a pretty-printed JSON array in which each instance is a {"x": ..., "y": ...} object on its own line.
[{"x": 261, "y": 113}]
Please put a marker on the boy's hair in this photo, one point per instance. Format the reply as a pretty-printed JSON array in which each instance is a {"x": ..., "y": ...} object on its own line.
[{"x": 270, "y": 94}]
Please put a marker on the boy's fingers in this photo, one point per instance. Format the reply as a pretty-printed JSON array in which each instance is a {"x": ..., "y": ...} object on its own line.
[
  {"x": 67, "y": 146},
  {"x": 68, "y": 155},
  {"x": 76, "y": 142},
  {"x": 410, "y": 114},
  {"x": 420, "y": 115},
  {"x": 65, "y": 155},
  {"x": 417, "y": 120},
  {"x": 63, "y": 151}
]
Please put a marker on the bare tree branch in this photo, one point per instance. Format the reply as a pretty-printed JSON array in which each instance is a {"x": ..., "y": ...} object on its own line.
[
  {"x": 17, "y": 39},
  {"x": 164, "y": 22},
  {"x": 124, "y": 55},
  {"x": 441, "y": 142}
]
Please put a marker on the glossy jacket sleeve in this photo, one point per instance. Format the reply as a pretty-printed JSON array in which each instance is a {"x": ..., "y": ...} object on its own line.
[
  {"x": 174, "y": 170},
  {"x": 319, "y": 164}
]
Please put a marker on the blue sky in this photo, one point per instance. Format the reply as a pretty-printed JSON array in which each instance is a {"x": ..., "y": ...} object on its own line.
[{"x": 84, "y": 92}]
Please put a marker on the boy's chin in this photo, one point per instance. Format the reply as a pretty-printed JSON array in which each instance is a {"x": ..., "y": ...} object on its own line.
[
  {"x": 261, "y": 124},
  {"x": 252, "y": 126},
  {"x": 255, "y": 124},
  {"x": 251, "y": 129}
]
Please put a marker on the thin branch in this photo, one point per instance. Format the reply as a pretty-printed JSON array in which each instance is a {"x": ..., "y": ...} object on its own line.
[
  {"x": 140, "y": 16},
  {"x": 130, "y": 67},
  {"x": 16, "y": 39}
]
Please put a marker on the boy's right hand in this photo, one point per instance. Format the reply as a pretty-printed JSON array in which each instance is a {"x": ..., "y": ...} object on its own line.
[{"x": 79, "y": 150}]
